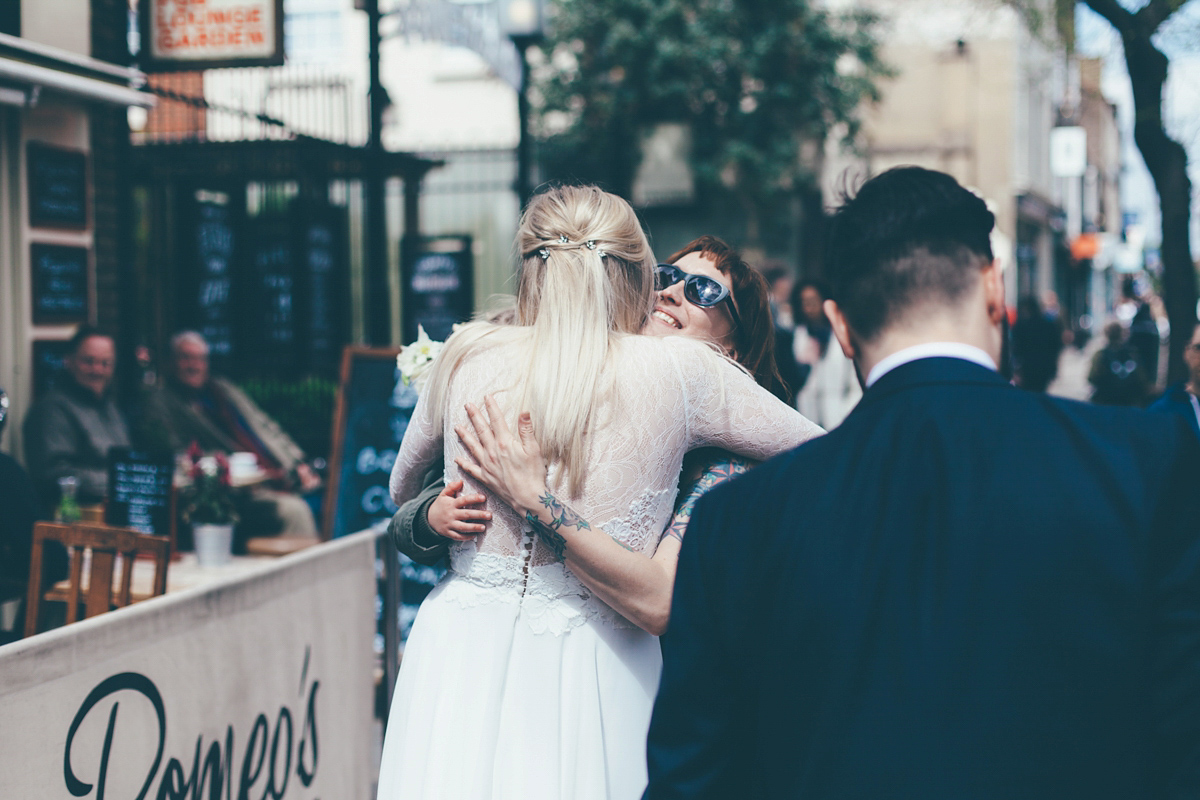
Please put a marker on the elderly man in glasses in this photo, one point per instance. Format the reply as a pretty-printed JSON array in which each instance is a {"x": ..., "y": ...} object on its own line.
[{"x": 69, "y": 432}]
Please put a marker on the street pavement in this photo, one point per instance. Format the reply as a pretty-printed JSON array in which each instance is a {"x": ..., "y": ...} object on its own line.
[{"x": 1073, "y": 366}]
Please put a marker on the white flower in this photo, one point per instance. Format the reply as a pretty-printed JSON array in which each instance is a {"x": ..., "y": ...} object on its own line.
[
  {"x": 208, "y": 465},
  {"x": 415, "y": 361}
]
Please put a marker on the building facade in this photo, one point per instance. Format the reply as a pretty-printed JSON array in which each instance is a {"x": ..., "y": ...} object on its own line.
[
  {"x": 977, "y": 94},
  {"x": 64, "y": 95}
]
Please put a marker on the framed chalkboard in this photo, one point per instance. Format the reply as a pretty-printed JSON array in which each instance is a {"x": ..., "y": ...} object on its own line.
[
  {"x": 322, "y": 280},
  {"x": 58, "y": 196},
  {"x": 369, "y": 419},
  {"x": 210, "y": 245},
  {"x": 372, "y": 413},
  {"x": 141, "y": 492},
  {"x": 271, "y": 252},
  {"x": 59, "y": 282},
  {"x": 438, "y": 274}
]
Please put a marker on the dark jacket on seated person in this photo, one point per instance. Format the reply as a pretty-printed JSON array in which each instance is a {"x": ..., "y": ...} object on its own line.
[
  {"x": 218, "y": 417},
  {"x": 18, "y": 502},
  {"x": 69, "y": 432}
]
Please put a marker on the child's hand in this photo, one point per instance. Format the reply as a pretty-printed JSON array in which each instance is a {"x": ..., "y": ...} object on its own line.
[{"x": 451, "y": 515}]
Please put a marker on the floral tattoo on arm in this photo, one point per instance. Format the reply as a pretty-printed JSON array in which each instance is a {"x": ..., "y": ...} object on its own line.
[
  {"x": 560, "y": 517},
  {"x": 719, "y": 472}
]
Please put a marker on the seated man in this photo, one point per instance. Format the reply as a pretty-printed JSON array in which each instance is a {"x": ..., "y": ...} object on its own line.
[
  {"x": 71, "y": 429},
  {"x": 193, "y": 406}
]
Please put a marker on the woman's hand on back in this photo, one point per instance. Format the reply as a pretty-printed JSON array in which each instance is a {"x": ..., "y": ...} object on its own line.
[
  {"x": 510, "y": 466},
  {"x": 451, "y": 515}
]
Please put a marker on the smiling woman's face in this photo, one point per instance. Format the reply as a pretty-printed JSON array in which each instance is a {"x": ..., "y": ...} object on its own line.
[{"x": 675, "y": 314}]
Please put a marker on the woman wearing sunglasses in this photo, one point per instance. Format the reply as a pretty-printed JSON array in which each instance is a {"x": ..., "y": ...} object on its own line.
[{"x": 520, "y": 679}]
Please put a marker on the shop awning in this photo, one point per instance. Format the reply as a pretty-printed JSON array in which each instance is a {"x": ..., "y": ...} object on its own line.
[{"x": 28, "y": 68}]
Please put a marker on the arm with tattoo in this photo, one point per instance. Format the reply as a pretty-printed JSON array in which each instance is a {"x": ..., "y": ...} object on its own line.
[
  {"x": 720, "y": 472},
  {"x": 560, "y": 516}
]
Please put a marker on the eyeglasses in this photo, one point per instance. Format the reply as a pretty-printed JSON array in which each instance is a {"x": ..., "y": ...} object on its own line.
[{"x": 700, "y": 290}]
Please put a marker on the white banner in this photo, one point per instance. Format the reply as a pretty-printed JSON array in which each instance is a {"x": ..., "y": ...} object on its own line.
[
  {"x": 208, "y": 33},
  {"x": 258, "y": 686}
]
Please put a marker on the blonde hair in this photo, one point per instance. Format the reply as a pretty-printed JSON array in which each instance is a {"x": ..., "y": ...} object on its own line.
[{"x": 585, "y": 278}]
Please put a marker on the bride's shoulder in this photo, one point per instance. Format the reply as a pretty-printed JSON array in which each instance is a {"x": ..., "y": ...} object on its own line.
[{"x": 663, "y": 356}]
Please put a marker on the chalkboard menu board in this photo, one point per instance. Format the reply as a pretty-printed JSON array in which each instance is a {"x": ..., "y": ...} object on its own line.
[
  {"x": 213, "y": 253},
  {"x": 60, "y": 283},
  {"x": 372, "y": 413},
  {"x": 321, "y": 289},
  {"x": 438, "y": 284},
  {"x": 271, "y": 330},
  {"x": 57, "y": 187},
  {"x": 140, "y": 492}
]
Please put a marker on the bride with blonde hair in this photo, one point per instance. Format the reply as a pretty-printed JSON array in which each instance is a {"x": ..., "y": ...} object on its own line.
[{"x": 519, "y": 678}]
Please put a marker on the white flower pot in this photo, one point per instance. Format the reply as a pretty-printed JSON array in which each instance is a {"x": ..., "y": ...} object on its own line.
[{"x": 214, "y": 544}]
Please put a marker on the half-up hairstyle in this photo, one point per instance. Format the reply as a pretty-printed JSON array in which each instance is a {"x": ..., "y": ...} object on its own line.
[{"x": 585, "y": 278}]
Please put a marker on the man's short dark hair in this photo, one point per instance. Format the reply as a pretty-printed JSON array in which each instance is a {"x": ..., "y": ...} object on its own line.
[
  {"x": 82, "y": 334},
  {"x": 907, "y": 237}
]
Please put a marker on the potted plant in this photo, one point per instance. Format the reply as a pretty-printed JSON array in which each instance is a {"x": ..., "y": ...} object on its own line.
[{"x": 207, "y": 503}]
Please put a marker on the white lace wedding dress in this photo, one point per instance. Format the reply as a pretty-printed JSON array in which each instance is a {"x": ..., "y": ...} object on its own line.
[{"x": 517, "y": 683}]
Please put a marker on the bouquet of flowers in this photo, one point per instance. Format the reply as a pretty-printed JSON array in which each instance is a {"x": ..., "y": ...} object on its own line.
[
  {"x": 209, "y": 498},
  {"x": 415, "y": 361}
]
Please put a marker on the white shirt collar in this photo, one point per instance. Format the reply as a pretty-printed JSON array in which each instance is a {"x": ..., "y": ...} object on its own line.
[{"x": 930, "y": 350}]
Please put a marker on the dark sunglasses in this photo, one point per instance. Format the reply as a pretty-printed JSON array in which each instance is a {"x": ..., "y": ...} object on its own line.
[{"x": 699, "y": 290}]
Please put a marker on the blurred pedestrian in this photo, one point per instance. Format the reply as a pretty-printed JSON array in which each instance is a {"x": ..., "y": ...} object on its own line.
[
  {"x": 1143, "y": 332},
  {"x": 779, "y": 292},
  {"x": 779, "y": 283},
  {"x": 196, "y": 406},
  {"x": 69, "y": 432},
  {"x": 831, "y": 388},
  {"x": 1037, "y": 343},
  {"x": 1181, "y": 398},
  {"x": 1117, "y": 374}
]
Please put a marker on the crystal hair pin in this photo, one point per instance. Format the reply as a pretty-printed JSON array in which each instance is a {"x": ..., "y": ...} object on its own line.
[
  {"x": 562, "y": 239},
  {"x": 591, "y": 245},
  {"x": 544, "y": 253}
]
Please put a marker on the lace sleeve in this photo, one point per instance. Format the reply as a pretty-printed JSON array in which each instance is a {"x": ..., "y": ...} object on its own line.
[
  {"x": 420, "y": 448},
  {"x": 725, "y": 408}
]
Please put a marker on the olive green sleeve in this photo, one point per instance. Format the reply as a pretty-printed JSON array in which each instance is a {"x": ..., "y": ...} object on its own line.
[{"x": 410, "y": 529}]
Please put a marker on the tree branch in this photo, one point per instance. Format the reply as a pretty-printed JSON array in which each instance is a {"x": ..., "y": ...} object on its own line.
[
  {"x": 1154, "y": 13},
  {"x": 1114, "y": 12}
]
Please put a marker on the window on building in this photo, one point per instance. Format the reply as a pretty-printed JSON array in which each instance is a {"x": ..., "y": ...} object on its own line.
[{"x": 10, "y": 18}]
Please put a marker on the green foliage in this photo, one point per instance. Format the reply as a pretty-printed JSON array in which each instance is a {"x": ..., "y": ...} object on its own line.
[
  {"x": 758, "y": 83},
  {"x": 303, "y": 408}
]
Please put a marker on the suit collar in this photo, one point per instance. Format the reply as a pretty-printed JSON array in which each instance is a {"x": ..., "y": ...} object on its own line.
[{"x": 944, "y": 370}]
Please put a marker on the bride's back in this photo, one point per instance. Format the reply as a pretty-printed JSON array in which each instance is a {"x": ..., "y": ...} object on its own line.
[{"x": 632, "y": 448}]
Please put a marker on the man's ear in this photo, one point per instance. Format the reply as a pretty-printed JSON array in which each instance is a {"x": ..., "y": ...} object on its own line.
[
  {"x": 993, "y": 292},
  {"x": 841, "y": 329}
]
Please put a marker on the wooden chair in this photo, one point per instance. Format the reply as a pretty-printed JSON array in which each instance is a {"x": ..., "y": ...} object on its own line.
[{"x": 104, "y": 543}]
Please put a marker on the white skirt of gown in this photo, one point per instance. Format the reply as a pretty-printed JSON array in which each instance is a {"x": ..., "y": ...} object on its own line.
[{"x": 519, "y": 690}]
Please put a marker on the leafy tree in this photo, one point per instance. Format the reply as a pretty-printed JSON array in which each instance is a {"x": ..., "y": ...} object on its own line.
[{"x": 760, "y": 86}]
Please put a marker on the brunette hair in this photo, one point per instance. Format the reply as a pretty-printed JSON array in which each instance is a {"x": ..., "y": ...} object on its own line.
[{"x": 754, "y": 338}]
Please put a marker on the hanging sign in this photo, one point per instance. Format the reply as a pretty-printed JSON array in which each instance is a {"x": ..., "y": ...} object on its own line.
[{"x": 204, "y": 34}]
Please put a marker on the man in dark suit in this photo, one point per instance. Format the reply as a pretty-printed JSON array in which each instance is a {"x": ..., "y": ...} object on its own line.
[{"x": 965, "y": 590}]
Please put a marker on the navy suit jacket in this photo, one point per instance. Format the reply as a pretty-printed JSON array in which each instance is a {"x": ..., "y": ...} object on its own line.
[{"x": 965, "y": 591}]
